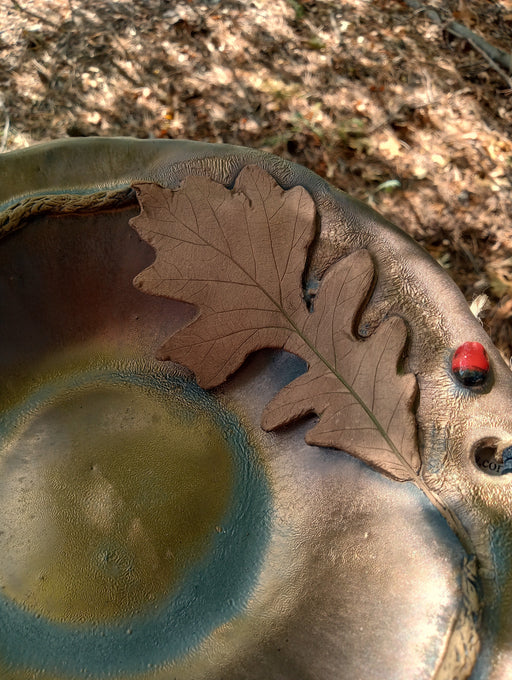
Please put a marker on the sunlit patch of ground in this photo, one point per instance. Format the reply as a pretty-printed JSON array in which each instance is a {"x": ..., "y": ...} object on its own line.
[{"x": 370, "y": 95}]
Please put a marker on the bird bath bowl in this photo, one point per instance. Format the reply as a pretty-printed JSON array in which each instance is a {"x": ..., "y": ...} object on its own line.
[{"x": 150, "y": 528}]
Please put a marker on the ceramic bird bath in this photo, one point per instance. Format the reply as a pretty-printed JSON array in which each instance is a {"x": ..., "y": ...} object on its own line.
[{"x": 248, "y": 429}]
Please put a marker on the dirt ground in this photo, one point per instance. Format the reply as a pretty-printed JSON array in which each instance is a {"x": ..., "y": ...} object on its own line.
[{"x": 374, "y": 96}]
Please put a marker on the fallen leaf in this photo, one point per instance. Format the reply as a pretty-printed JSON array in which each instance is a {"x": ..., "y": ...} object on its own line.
[
  {"x": 390, "y": 147},
  {"x": 438, "y": 160},
  {"x": 420, "y": 171},
  {"x": 365, "y": 406},
  {"x": 239, "y": 256}
]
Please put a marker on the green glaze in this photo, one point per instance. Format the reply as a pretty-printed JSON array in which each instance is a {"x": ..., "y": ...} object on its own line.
[
  {"x": 134, "y": 514},
  {"x": 125, "y": 488}
]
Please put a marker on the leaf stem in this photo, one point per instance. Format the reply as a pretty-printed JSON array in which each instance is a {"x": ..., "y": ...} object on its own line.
[
  {"x": 349, "y": 387},
  {"x": 452, "y": 520}
]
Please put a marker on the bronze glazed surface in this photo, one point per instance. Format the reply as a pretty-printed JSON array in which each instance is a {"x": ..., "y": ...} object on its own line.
[{"x": 153, "y": 529}]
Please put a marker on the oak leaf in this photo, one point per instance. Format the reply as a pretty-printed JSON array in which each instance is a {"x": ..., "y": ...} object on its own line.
[
  {"x": 365, "y": 406},
  {"x": 239, "y": 256}
]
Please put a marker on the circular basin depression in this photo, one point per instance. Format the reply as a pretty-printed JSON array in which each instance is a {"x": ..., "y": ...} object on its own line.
[{"x": 133, "y": 504}]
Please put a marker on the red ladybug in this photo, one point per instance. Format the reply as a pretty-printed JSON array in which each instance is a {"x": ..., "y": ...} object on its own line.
[{"x": 470, "y": 364}]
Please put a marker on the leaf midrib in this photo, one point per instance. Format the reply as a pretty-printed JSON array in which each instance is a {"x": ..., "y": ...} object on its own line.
[{"x": 403, "y": 461}]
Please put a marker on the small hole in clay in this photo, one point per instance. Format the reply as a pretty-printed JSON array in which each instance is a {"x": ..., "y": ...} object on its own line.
[{"x": 487, "y": 458}]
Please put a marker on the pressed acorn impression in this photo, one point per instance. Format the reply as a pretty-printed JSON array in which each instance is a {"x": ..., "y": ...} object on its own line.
[{"x": 470, "y": 364}]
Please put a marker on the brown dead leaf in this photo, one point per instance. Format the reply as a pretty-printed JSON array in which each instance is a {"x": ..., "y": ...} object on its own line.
[
  {"x": 239, "y": 256},
  {"x": 390, "y": 147},
  {"x": 352, "y": 384}
]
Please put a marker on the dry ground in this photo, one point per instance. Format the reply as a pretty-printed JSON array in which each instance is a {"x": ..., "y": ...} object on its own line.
[{"x": 371, "y": 95}]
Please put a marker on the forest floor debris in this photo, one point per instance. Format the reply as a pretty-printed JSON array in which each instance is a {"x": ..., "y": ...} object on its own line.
[{"x": 385, "y": 104}]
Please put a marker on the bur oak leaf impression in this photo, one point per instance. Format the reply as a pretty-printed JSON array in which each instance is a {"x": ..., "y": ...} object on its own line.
[{"x": 239, "y": 256}]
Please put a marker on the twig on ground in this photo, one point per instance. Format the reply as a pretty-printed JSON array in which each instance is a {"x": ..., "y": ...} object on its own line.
[
  {"x": 29, "y": 13},
  {"x": 135, "y": 82},
  {"x": 71, "y": 11},
  {"x": 495, "y": 57},
  {"x": 394, "y": 117},
  {"x": 491, "y": 63},
  {"x": 5, "y": 134}
]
